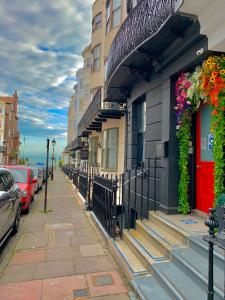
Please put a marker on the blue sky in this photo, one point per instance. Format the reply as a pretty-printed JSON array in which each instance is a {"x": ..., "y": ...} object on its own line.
[{"x": 41, "y": 44}]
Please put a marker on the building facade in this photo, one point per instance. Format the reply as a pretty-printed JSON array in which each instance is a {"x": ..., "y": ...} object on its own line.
[
  {"x": 142, "y": 72},
  {"x": 9, "y": 125},
  {"x": 104, "y": 123}
]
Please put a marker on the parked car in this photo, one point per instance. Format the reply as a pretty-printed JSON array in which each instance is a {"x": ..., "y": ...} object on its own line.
[
  {"x": 24, "y": 178},
  {"x": 38, "y": 174},
  {"x": 10, "y": 205}
]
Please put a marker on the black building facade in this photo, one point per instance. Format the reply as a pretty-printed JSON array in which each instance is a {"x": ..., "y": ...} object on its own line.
[{"x": 155, "y": 44}]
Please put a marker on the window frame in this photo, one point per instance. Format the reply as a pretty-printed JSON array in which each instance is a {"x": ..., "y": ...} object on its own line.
[
  {"x": 106, "y": 150},
  {"x": 92, "y": 151},
  {"x": 140, "y": 130},
  {"x": 114, "y": 10},
  {"x": 97, "y": 25},
  {"x": 95, "y": 59}
]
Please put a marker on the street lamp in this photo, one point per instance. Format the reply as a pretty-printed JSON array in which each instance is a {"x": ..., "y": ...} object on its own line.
[{"x": 53, "y": 148}]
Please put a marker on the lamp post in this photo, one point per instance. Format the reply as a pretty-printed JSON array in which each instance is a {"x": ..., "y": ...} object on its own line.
[
  {"x": 46, "y": 182},
  {"x": 53, "y": 148}
]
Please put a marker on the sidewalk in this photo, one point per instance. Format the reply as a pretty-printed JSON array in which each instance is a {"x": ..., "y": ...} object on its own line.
[{"x": 60, "y": 255}]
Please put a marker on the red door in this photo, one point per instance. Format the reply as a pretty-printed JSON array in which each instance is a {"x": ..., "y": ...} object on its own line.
[{"x": 204, "y": 161}]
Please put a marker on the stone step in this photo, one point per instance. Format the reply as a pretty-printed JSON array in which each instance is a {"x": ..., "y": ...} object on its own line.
[
  {"x": 173, "y": 233},
  {"x": 147, "y": 288},
  {"x": 164, "y": 241},
  {"x": 196, "y": 266},
  {"x": 177, "y": 283},
  {"x": 146, "y": 252},
  {"x": 200, "y": 246},
  {"x": 135, "y": 265},
  {"x": 165, "y": 233}
]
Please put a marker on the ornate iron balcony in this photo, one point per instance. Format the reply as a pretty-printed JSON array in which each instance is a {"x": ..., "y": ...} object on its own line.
[
  {"x": 97, "y": 111},
  {"x": 142, "y": 23}
]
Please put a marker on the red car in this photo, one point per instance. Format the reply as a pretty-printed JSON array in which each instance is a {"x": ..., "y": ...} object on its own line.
[{"x": 24, "y": 178}]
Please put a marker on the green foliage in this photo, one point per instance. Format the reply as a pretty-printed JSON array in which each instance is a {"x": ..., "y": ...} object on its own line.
[
  {"x": 184, "y": 136},
  {"x": 218, "y": 123}
]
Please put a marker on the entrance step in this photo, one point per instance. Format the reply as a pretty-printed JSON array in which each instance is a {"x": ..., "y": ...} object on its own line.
[
  {"x": 201, "y": 247},
  {"x": 195, "y": 266},
  {"x": 170, "y": 231},
  {"x": 148, "y": 288},
  {"x": 145, "y": 249},
  {"x": 178, "y": 284},
  {"x": 164, "y": 239},
  {"x": 167, "y": 259}
]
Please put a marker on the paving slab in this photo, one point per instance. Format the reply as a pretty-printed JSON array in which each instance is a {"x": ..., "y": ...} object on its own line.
[
  {"x": 28, "y": 256},
  {"x": 91, "y": 250},
  {"x": 62, "y": 288},
  {"x": 93, "y": 264},
  {"x": 21, "y": 291},
  {"x": 54, "y": 268}
]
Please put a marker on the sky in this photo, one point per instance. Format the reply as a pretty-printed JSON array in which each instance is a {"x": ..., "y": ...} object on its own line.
[{"x": 41, "y": 44}]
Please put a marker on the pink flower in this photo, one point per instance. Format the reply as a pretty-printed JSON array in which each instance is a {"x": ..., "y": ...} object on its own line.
[
  {"x": 184, "y": 94},
  {"x": 188, "y": 102}
]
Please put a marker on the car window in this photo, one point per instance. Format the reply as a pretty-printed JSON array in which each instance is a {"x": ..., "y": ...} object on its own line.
[
  {"x": 20, "y": 176},
  {"x": 2, "y": 187},
  {"x": 8, "y": 182}
]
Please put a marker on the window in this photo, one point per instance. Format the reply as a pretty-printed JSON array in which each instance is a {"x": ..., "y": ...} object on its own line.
[
  {"x": 20, "y": 176},
  {"x": 141, "y": 125},
  {"x": 8, "y": 182},
  {"x": 97, "y": 22},
  {"x": 2, "y": 187},
  {"x": 108, "y": 17},
  {"x": 110, "y": 148},
  {"x": 96, "y": 58},
  {"x": 116, "y": 13},
  {"x": 93, "y": 151},
  {"x": 88, "y": 63}
]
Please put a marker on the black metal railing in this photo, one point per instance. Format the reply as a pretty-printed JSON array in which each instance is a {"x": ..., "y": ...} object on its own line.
[
  {"x": 76, "y": 178},
  {"x": 140, "y": 193},
  {"x": 92, "y": 109},
  {"x": 97, "y": 104},
  {"x": 119, "y": 200},
  {"x": 83, "y": 183},
  {"x": 142, "y": 23},
  {"x": 105, "y": 202}
]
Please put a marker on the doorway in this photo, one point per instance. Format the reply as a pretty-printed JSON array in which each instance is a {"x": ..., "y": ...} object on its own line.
[{"x": 204, "y": 160}]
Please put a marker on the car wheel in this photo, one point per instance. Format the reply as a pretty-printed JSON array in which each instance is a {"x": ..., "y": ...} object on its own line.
[{"x": 16, "y": 223}]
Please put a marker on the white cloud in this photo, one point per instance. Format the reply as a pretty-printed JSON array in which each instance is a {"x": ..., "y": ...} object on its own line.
[{"x": 41, "y": 43}]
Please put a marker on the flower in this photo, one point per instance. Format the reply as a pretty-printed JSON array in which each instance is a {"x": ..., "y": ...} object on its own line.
[
  {"x": 214, "y": 74},
  {"x": 188, "y": 102},
  {"x": 214, "y": 112},
  {"x": 222, "y": 72},
  {"x": 212, "y": 79}
]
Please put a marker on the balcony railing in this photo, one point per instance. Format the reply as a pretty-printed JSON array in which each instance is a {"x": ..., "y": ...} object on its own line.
[
  {"x": 143, "y": 22},
  {"x": 94, "y": 110}
]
